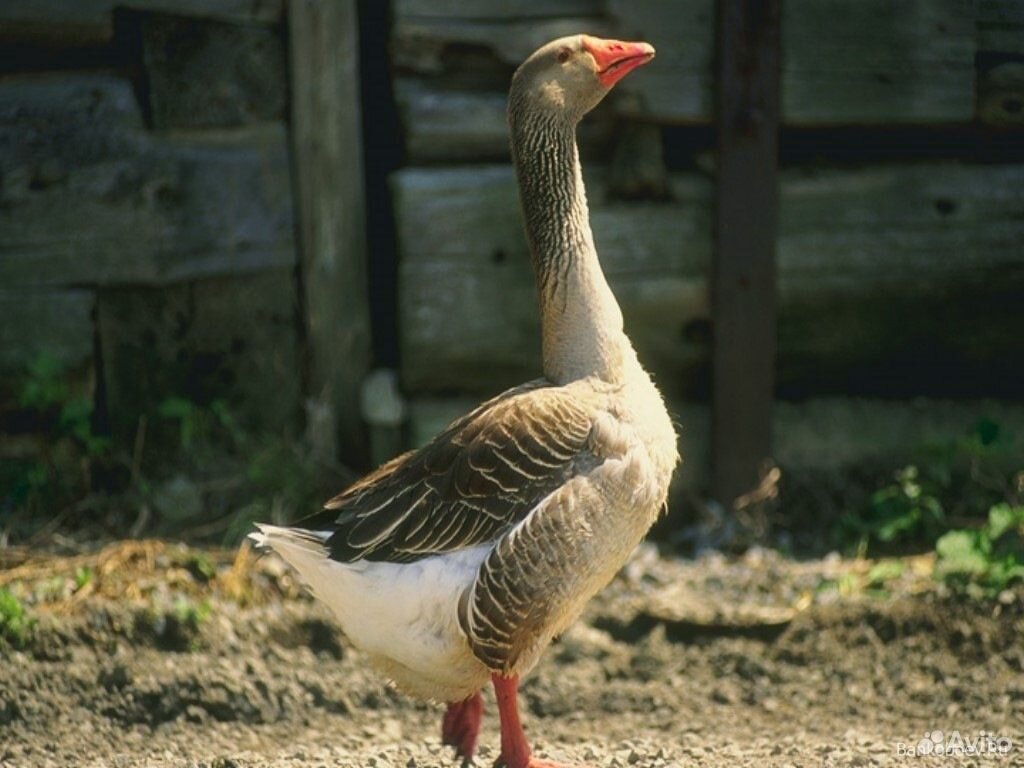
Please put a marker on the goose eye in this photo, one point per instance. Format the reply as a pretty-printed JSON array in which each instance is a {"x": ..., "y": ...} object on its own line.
[{"x": 563, "y": 55}]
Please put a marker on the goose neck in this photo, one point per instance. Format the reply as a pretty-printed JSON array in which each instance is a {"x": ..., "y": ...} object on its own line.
[{"x": 580, "y": 320}]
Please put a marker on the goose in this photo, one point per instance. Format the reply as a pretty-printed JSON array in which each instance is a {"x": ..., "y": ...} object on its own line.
[{"x": 454, "y": 566}]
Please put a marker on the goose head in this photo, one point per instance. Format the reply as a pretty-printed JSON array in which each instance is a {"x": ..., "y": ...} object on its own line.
[{"x": 568, "y": 77}]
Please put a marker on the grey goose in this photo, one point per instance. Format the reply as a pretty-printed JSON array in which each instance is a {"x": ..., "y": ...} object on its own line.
[{"x": 456, "y": 565}]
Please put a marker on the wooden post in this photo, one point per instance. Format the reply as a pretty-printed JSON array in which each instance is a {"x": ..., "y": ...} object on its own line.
[
  {"x": 327, "y": 151},
  {"x": 743, "y": 272}
]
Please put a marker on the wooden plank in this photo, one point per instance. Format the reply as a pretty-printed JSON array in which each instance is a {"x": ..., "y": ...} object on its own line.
[
  {"x": 90, "y": 22},
  {"x": 224, "y": 338},
  {"x": 91, "y": 198},
  {"x": 1001, "y": 94},
  {"x": 208, "y": 74},
  {"x": 1000, "y": 25},
  {"x": 241, "y": 11},
  {"x": 637, "y": 169},
  {"x": 460, "y": 228},
  {"x": 826, "y": 434},
  {"x": 57, "y": 323},
  {"x": 75, "y": 173},
  {"x": 845, "y": 62},
  {"x": 912, "y": 275},
  {"x": 451, "y": 125},
  {"x": 327, "y": 148},
  {"x": 490, "y": 9},
  {"x": 743, "y": 282},
  {"x": 422, "y": 44},
  {"x": 908, "y": 276},
  {"x": 447, "y": 122},
  {"x": 235, "y": 214},
  {"x": 875, "y": 61},
  {"x": 1001, "y": 61}
]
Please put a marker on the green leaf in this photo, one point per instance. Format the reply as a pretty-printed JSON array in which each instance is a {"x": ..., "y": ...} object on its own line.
[
  {"x": 1003, "y": 518},
  {"x": 76, "y": 418},
  {"x": 44, "y": 385},
  {"x": 959, "y": 552},
  {"x": 15, "y": 623},
  {"x": 885, "y": 571},
  {"x": 11, "y": 608},
  {"x": 892, "y": 528},
  {"x": 83, "y": 576},
  {"x": 176, "y": 408}
]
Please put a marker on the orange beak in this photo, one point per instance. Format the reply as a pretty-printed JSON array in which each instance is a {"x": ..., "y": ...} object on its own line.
[{"x": 616, "y": 59}]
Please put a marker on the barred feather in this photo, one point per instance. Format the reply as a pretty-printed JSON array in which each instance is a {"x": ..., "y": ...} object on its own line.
[{"x": 470, "y": 485}]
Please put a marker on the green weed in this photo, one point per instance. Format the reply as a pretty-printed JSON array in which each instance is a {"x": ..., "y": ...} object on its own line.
[
  {"x": 46, "y": 392},
  {"x": 83, "y": 577},
  {"x": 190, "y": 614},
  {"x": 61, "y": 420},
  {"x": 987, "y": 560},
  {"x": 905, "y": 508},
  {"x": 15, "y": 624},
  {"x": 947, "y": 485},
  {"x": 258, "y": 477}
]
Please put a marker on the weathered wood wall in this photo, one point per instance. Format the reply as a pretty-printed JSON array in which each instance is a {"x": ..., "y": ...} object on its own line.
[
  {"x": 91, "y": 22},
  {"x": 148, "y": 214},
  {"x": 146, "y": 203},
  {"x": 880, "y": 269},
  {"x": 896, "y": 277},
  {"x": 869, "y": 62},
  {"x": 93, "y": 198}
]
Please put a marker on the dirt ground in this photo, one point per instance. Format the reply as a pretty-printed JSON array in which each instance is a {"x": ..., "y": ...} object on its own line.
[{"x": 149, "y": 654}]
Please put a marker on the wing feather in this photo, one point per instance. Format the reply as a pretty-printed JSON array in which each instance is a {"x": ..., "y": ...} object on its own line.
[{"x": 471, "y": 484}]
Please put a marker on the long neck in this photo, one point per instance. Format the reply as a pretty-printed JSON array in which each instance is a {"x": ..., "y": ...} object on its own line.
[{"x": 580, "y": 320}]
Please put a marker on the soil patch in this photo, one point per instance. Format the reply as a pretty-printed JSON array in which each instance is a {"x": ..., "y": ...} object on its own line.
[{"x": 196, "y": 658}]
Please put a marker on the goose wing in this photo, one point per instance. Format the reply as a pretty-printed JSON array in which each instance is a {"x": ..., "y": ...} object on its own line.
[{"x": 468, "y": 486}]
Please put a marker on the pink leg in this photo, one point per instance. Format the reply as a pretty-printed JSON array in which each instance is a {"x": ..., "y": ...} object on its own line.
[
  {"x": 515, "y": 752},
  {"x": 461, "y": 725}
]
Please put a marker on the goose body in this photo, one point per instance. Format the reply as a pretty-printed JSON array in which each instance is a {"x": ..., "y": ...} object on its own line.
[
  {"x": 438, "y": 625},
  {"x": 456, "y": 564}
]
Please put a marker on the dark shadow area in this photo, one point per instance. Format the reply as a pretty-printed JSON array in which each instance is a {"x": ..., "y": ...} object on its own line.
[{"x": 382, "y": 155}]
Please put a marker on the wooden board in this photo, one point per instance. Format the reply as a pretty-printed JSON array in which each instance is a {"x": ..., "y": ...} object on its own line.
[
  {"x": 826, "y": 434},
  {"x": 489, "y": 9},
  {"x": 90, "y": 198},
  {"x": 906, "y": 276},
  {"x": 206, "y": 74},
  {"x": 327, "y": 145},
  {"x": 743, "y": 273},
  {"x": 1001, "y": 61},
  {"x": 844, "y": 62},
  {"x": 447, "y": 125},
  {"x": 423, "y": 44},
  {"x": 90, "y": 22},
  {"x": 1000, "y": 25},
  {"x": 876, "y": 61},
  {"x": 229, "y": 338},
  {"x": 463, "y": 124},
  {"x": 466, "y": 294},
  {"x": 1001, "y": 93},
  {"x": 56, "y": 323}
]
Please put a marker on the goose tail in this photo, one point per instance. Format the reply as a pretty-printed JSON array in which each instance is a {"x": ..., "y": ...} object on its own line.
[
  {"x": 305, "y": 551},
  {"x": 278, "y": 537}
]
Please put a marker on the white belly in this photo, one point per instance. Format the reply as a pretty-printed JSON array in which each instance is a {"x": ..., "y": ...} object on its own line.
[{"x": 403, "y": 616}]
